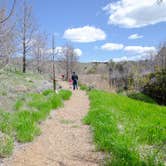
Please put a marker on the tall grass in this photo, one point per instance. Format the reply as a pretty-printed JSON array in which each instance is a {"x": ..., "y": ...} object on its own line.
[
  {"x": 6, "y": 145},
  {"x": 133, "y": 132},
  {"x": 83, "y": 87},
  {"x": 23, "y": 124},
  {"x": 5, "y": 122},
  {"x": 141, "y": 97},
  {"x": 65, "y": 94}
]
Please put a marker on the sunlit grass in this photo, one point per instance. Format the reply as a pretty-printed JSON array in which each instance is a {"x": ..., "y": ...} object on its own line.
[
  {"x": 141, "y": 97},
  {"x": 131, "y": 131},
  {"x": 30, "y": 109},
  {"x": 25, "y": 126},
  {"x": 65, "y": 94}
]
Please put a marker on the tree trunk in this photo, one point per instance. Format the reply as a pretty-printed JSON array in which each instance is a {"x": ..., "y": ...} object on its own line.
[{"x": 24, "y": 58}]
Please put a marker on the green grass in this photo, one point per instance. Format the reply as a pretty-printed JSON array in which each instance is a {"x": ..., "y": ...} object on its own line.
[
  {"x": 5, "y": 122},
  {"x": 65, "y": 94},
  {"x": 83, "y": 87},
  {"x": 6, "y": 145},
  {"x": 30, "y": 110},
  {"x": 131, "y": 131},
  {"x": 25, "y": 126},
  {"x": 56, "y": 100},
  {"x": 6, "y": 138},
  {"x": 19, "y": 103},
  {"x": 21, "y": 83},
  {"x": 141, "y": 97},
  {"x": 47, "y": 92}
]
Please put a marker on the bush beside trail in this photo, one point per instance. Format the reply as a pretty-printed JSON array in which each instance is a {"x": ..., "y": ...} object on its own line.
[
  {"x": 141, "y": 97},
  {"x": 156, "y": 88}
]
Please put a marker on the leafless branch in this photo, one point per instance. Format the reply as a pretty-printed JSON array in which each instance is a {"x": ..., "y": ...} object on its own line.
[{"x": 10, "y": 13}]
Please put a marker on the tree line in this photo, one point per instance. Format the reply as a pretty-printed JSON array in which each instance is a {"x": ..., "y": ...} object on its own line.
[
  {"x": 23, "y": 44},
  {"x": 147, "y": 76}
]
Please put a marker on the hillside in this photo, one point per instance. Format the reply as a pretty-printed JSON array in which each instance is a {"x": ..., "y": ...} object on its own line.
[
  {"x": 26, "y": 100},
  {"x": 15, "y": 84}
]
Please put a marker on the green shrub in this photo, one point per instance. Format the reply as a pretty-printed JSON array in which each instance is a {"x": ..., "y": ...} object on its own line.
[
  {"x": 26, "y": 128},
  {"x": 47, "y": 92},
  {"x": 35, "y": 99},
  {"x": 6, "y": 145},
  {"x": 56, "y": 101},
  {"x": 19, "y": 103},
  {"x": 65, "y": 94},
  {"x": 30, "y": 110},
  {"x": 156, "y": 87},
  {"x": 42, "y": 104},
  {"x": 5, "y": 122},
  {"x": 141, "y": 97},
  {"x": 39, "y": 105},
  {"x": 83, "y": 87}
]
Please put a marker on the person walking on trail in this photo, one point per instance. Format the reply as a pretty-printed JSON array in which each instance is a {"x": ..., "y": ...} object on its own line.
[{"x": 75, "y": 80}]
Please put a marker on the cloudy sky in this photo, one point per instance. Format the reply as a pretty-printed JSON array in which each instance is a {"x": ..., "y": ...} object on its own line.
[{"x": 104, "y": 29}]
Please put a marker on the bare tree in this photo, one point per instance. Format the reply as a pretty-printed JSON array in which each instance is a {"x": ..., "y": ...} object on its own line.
[
  {"x": 2, "y": 20},
  {"x": 26, "y": 30},
  {"x": 39, "y": 51},
  {"x": 161, "y": 57},
  {"x": 7, "y": 40},
  {"x": 53, "y": 63},
  {"x": 68, "y": 60}
]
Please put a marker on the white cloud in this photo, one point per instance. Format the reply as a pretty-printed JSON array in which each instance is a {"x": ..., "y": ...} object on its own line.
[
  {"x": 130, "y": 49},
  {"x": 140, "y": 49},
  {"x": 100, "y": 61},
  {"x": 131, "y": 58},
  {"x": 123, "y": 58},
  {"x": 58, "y": 51},
  {"x": 112, "y": 46},
  {"x": 135, "y": 36},
  {"x": 78, "y": 52},
  {"x": 136, "y": 13},
  {"x": 84, "y": 34}
]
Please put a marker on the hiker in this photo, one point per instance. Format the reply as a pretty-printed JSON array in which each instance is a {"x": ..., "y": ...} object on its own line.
[
  {"x": 63, "y": 77},
  {"x": 75, "y": 81}
]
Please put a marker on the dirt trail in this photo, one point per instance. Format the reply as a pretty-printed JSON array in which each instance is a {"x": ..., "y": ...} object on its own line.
[{"x": 64, "y": 141}]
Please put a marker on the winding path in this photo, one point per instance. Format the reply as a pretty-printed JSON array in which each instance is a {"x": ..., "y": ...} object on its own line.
[{"x": 64, "y": 141}]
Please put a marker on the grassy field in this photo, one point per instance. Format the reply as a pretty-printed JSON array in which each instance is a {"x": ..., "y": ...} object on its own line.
[
  {"x": 23, "y": 123},
  {"x": 24, "y": 103},
  {"x": 15, "y": 84},
  {"x": 141, "y": 97},
  {"x": 83, "y": 87},
  {"x": 133, "y": 133}
]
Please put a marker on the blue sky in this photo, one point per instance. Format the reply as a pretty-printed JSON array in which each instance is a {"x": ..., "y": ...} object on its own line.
[{"x": 109, "y": 23}]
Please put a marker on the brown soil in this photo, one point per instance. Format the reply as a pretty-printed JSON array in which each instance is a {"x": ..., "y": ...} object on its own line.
[{"x": 65, "y": 140}]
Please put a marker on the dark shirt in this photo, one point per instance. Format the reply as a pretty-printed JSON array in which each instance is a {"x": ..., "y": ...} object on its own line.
[{"x": 74, "y": 78}]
